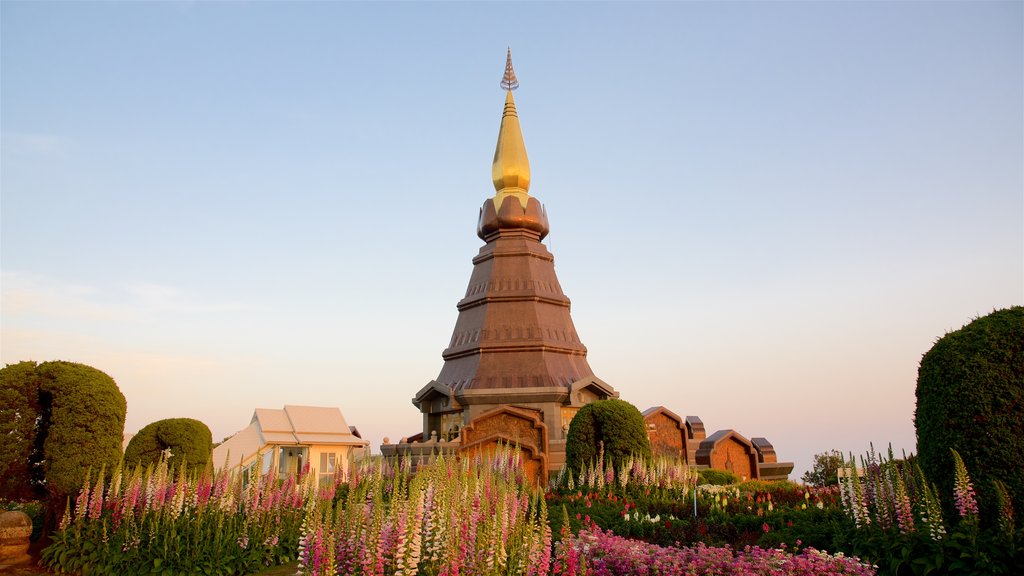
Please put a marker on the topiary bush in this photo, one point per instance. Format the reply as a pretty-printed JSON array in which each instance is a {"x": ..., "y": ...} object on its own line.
[
  {"x": 19, "y": 412},
  {"x": 970, "y": 398},
  {"x": 614, "y": 424},
  {"x": 82, "y": 425},
  {"x": 61, "y": 419},
  {"x": 188, "y": 440}
]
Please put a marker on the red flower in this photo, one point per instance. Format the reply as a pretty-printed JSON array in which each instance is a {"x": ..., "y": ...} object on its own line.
[{"x": 765, "y": 527}]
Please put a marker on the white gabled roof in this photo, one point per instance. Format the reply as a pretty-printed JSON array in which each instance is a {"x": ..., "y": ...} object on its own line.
[
  {"x": 292, "y": 426},
  {"x": 238, "y": 448}
]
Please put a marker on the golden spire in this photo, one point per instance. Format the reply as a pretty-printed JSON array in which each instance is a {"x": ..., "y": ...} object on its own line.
[{"x": 511, "y": 167}]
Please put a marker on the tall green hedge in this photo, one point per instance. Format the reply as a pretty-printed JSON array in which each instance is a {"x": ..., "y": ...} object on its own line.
[
  {"x": 970, "y": 397},
  {"x": 19, "y": 411},
  {"x": 58, "y": 420},
  {"x": 85, "y": 425},
  {"x": 613, "y": 423},
  {"x": 188, "y": 440}
]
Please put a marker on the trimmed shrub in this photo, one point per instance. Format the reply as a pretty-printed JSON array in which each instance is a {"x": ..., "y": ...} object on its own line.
[
  {"x": 970, "y": 398},
  {"x": 19, "y": 413},
  {"x": 188, "y": 440},
  {"x": 82, "y": 425},
  {"x": 717, "y": 477},
  {"x": 614, "y": 424}
]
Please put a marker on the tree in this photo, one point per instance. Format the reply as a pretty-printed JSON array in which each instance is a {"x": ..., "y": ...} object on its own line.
[
  {"x": 78, "y": 425},
  {"x": 613, "y": 424},
  {"x": 19, "y": 415},
  {"x": 970, "y": 398},
  {"x": 188, "y": 440},
  {"x": 825, "y": 471}
]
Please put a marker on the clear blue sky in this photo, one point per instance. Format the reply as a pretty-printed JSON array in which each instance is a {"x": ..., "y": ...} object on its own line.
[{"x": 764, "y": 213}]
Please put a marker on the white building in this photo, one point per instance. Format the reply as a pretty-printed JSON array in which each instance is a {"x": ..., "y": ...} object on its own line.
[{"x": 290, "y": 440}]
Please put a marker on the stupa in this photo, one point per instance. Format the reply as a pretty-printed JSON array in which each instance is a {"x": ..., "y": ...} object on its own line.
[{"x": 515, "y": 370}]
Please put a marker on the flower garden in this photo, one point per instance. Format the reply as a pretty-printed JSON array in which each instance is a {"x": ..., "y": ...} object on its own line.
[{"x": 462, "y": 517}]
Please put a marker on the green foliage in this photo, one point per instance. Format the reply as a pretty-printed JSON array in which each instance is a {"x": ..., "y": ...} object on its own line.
[
  {"x": 613, "y": 424},
  {"x": 84, "y": 427},
  {"x": 970, "y": 397},
  {"x": 19, "y": 412},
  {"x": 825, "y": 470},
  {"x": 581, "y": 443},
  {"x": 776, "y": 486},
  {"x": 965, "y": 551},
  {"x": 717, "y": 477},
  {"x": 188, "y": 440}
]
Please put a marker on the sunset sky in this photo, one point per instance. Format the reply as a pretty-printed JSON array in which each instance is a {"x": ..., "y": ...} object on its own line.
[{"x": 764, "y": 213}]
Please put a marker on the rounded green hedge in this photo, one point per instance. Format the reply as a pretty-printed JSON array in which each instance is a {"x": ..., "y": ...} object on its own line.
[
  {"x": 970, "y": 397},
  {"x": 613, "y": 423},
  {"x": 188, "y": 440}
]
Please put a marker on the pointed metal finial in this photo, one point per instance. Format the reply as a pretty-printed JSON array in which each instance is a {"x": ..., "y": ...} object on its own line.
[{"x": 508, "y": 81}]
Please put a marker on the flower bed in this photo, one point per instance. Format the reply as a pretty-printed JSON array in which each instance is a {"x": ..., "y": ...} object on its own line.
[
  {"x": 659, "y": 503},
  {"x": 895, "y": 518},
  {"x": 155, "y": 522},
  {"x": 594, "y": 552},
  {"x": 450, "y": 518}
]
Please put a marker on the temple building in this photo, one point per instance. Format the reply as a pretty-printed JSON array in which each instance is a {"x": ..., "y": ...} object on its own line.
[
  {"x": 515, "y": 370},
  {"x": 674, "y": 437}
]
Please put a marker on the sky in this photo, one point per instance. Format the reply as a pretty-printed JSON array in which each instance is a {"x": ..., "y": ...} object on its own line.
[{"x": 764, "y": 213}]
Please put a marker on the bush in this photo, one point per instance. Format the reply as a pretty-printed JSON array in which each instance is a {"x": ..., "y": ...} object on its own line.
[
  {"x": 717, "y": 477},
  {"x": 613, "y": 424},
  {"x": 825, "y": 471},
  {"x": 67, "y": 418},
  {"x": 19, "y": 412},
  {"x": 81, "y": 426},
  {"x": 970, "y": 397},
  {"x": 188, "y": 440}
]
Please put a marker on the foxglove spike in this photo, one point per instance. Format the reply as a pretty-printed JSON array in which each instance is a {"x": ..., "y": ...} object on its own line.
[{"x": 508, "y": 81}]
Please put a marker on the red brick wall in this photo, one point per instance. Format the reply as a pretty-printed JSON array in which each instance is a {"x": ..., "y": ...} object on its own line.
[
  {"x": 666, "y": 437},
  {"x": 733, "y": 456}
]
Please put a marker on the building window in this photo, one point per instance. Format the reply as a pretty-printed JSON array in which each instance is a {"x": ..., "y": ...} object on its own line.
[
  {"x": 568, "y": 413},
  {"x": 327, "y": 463},
  {"x": 292, "y": 460},
  {"x": 451, "y": 425}
]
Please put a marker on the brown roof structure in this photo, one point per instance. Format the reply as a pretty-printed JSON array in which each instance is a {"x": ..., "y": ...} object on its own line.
[{"x": 514, "y": 332}]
